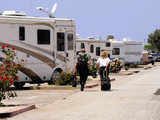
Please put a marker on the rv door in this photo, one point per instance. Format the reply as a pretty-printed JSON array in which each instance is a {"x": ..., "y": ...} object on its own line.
[{"x": 70, "y": 50}]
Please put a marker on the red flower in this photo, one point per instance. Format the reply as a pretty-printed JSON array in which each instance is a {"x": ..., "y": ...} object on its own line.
[
  {"x": 13, "y": 48},
  {"x": 2, "y": 69},
  {"x": 2, "y": 46},
  {"x": 16, "y": 77},
  {"x": 10, "y": 80},
  {"x": 7, "y": 45},
  {"x": 0, "y": 78},
  {"x": 4, "y": 78},
  {"x": 22, "y": 59}
]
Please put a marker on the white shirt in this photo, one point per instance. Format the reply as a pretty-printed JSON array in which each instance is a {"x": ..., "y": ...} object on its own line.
[{"x": 103, "y": 62}]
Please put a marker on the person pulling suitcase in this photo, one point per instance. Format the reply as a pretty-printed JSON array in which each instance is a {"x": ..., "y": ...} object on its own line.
[{"x": 103, "y": 63}]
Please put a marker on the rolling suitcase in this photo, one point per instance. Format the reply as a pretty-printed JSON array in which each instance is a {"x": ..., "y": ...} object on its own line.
[{"x": 105, "y": 84}]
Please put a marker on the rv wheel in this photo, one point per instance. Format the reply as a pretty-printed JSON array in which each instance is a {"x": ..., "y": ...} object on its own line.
[
  {"x": 54, "y": 77},
  {"x": 18, "y": 85}
]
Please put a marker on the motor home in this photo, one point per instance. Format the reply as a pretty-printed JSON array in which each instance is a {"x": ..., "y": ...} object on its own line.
[
  {"x": 129, "y": 51},
  {"x": 46, "y": 44}
]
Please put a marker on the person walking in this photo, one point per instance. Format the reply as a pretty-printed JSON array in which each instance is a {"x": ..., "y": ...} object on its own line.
[
  {"x": 82, "y": 67},
  {"x": 103, "y": 63}
]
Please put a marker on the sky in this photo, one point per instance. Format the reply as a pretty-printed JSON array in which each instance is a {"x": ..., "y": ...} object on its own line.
[{"x": 133, "y": 19}]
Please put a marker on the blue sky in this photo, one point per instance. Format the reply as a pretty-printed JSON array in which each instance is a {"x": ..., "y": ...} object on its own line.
[{"x": 134, "y": 19}]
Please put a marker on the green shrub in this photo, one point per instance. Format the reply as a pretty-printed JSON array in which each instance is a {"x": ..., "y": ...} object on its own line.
[
  {"x": 133, "y": 65},
  {"x": 92, "y": 69},
  {"x": 126, "y": 67},
  {"x": 65, "y": 78}
]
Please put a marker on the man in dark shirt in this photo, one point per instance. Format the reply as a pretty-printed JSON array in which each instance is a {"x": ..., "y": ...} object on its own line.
[{"x": 82, "y": 67}]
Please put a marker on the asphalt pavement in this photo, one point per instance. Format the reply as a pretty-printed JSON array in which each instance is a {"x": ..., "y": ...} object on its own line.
[{"x": 133, "y": 97}]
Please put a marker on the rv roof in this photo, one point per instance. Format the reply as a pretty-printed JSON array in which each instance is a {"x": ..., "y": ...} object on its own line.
[
  {"x": 33, "y": 18},
  {"x": 89, "y": 40},
  {"x": 112, "y": 41},
  {"x": 14, "y": 13},
  {"x": 95, "y": 40}
]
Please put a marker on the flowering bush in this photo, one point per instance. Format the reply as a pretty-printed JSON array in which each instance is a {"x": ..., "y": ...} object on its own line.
[
  {"x": 8, "y": 73},
  {"x": 116, "y": 66}
]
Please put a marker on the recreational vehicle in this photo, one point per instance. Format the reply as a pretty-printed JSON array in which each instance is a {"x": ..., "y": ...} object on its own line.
[
  {"x": 46, "y": 44},
  {"x": 129, "y": 51}
]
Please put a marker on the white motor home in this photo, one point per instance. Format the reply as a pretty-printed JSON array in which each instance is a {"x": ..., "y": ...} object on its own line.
[
  {"x": 46, "y": 44},
  {"x": 129, "y": 51}
]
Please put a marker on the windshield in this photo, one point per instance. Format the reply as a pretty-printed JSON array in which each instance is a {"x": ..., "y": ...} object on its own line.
[{"x": 154, "y": 54}]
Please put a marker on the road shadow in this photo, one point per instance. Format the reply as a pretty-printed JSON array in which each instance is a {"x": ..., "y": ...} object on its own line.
[
  {"x": 12, "y": 105},
  {"x": 157, "y": 92},
  {"x": 23, "y": 88}
]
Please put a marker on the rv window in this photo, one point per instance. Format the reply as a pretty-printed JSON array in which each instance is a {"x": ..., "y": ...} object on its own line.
[
  {"x": 43, "y": 36},
  {"x": 92, "y": 49},
  {"x": 82, "y": 45},
  {"x": 60, "y": 41},
  {"x": 108, "y": 44},
  {"x": 98, "y": 51},
  {"x": 70, "y": 41},
  {"x": 22, "y": 33},
  {"x": 115, "y": 51}
]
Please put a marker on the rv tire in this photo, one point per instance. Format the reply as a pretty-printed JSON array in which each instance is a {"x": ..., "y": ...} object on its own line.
[
  {"x": 54, "y": 77},
  {"x": 19, "y": 85}
]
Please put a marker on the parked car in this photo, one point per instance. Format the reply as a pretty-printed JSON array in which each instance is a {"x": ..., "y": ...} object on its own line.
[
  {"x": 151, "y": 59},
  {"x": 155, "y": 55},
  {"x": 158, "y": 59}
]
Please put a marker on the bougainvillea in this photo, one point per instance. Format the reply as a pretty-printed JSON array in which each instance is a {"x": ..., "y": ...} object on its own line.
[
  {"x": 116, "y": 66},
  {"x": 8, "y": 72}
]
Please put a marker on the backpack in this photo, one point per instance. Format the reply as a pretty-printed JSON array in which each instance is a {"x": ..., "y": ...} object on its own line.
[{"x": 82, "y": 64}]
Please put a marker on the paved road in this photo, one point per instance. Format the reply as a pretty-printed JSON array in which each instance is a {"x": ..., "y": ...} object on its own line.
[{"x": 132, "y": 98}]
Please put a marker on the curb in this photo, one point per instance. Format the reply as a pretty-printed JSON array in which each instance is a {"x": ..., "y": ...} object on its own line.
[
  {"x": 96, "y": 84},
  {"x": 16, "y": 112},
  {"x": 52, "y": 88},
  {"x": 136, "y": 71},
  {"x": 147, "y": 67},
  {"x": 128, "y": 73},
  {"x": 131, "y": 73},
  {"x": 91, "y": 86},
  {"x": 64, "y": 87}
]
